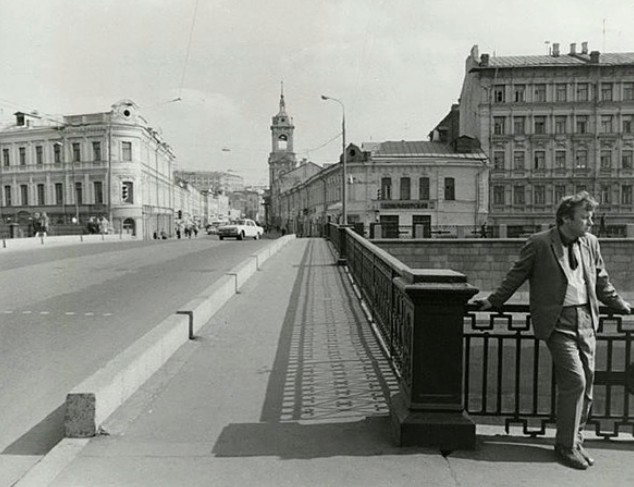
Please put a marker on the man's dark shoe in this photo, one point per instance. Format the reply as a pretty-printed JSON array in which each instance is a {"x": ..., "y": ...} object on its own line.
[
  {"x": 584, "y": 453},
  {"x": 570, "y": 457}
]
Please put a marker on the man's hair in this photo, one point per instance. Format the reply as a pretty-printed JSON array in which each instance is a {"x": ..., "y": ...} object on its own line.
[{"x": 569, "y": 204}]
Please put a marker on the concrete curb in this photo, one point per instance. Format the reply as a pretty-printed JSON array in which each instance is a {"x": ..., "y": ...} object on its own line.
[
  {"x": 92, "y": 401},
  {"x": 10, "y": 244}
]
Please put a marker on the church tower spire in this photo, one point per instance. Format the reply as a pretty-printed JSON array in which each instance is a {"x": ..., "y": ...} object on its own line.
[{"x": 282, "y": 158}]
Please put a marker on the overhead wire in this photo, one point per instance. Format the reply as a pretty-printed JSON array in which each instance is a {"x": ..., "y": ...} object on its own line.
[{"x": 189, "y": 46}]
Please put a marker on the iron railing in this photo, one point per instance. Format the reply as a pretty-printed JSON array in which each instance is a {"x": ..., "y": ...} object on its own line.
[
  {"x": 509, "y": 378},
  {"x": 508, "y": 374}
]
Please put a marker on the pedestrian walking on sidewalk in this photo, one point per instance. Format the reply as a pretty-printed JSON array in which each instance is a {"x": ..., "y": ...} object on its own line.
[{"x": 567, "y": 279}]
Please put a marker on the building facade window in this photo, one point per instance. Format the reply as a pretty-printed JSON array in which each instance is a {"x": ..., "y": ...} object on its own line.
[
  {"x": 498, "y": 160},
  {"x": 560, "y": 124},
  {"x": 498, "y": 125},
  {"x": 606, "y": 195},
  {"x": 560, "y": 92},
  {"x": 540, "y": 93},
  {"x": 386, "y": 188},
  {"x": 7, "y": 196},
  {"x": 519, "y": 196},
  {"x": 41, "y": 199},
  {"x": 126, "y": 151},
  {"x": 519, "y": 93},
  {"x": 581, "y": 159},
  {"x": 519, "y": 125},
  {"x": 539, "y": 195},
  {"x": 498, "y": 94},
  {"x": 39, "y": 154},
  {"x": 79, "y": 194},
  {"x": 628, "y": 123},
  {"x": 626, "y": 194},
  {"x": 626, "y": 159},
  {"x": 22, "y": 156},
  {"x": 582, "y": 92},
  {"x": 450, "y": 189},
  {"x": 57, "y": 153},
  {"x": 628, "y": 91},
  {"x": 498, "y": 195},
  {"x": 540, "y": 125},
  {"x": 606, "y": 124},
  {"x": 96, "y": 151},
  {"x": 518, "y": 160},
  {"x": 560, "y": 159},
  {"x": 423, "y": 188},
  {"x": 606, "y": 92},
  {"x": 24, "y": 195},
  {"x": 6, "y": 159},
  {"x": 59, "y": 194},
  {"x": 98, "y": 189},
  {"x": 560, "y": 192},
  {"x": 540, "y": 160},
  {"x": 76, "y": 152},
  {"x": 406, "y": 189},
  {"x": 582, "y": 124},
  {"x": 606, "y": 159}
]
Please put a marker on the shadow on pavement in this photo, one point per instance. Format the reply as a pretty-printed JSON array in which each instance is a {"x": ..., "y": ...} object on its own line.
[
  {"x": 292, "y": 440},
  {"x": 40, "y": 439}
]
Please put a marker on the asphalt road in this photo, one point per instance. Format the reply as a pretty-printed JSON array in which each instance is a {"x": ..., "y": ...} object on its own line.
[{"x": 66, "y": 311}]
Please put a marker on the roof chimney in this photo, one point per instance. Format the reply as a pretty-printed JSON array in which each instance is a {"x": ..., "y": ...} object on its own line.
[
  {"x": 573, "y": 48},
  {"x": 556, "y": 49},
  {"x": 584, "y": 47},
  {"x": 594, "y": 57},
  {"x": 484, "y": 60}
]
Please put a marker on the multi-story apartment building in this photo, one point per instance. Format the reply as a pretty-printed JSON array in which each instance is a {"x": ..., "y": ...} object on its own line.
[
  {"x": 552, "y": 125},
  {"x": 217, "y": 182},
  {"x": 398, "y": 185},
  {"x": 110, "y": 164}
]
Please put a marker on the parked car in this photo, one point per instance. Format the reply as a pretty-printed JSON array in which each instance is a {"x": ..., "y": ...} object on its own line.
[{"x": 240, "y": 229}]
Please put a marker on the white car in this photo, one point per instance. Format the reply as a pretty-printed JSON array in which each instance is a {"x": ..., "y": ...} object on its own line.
[{"x": 240, "y": 229}]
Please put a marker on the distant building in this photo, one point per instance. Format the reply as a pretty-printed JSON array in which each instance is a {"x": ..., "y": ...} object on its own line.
[
  {"x": 217, "y": 182},
  {"x": 553, "y": 125},
  {"x": 398, "y": 185}
]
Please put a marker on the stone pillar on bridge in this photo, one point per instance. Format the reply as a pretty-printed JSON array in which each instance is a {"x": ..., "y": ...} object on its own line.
[{"x": 429, "y": 410}]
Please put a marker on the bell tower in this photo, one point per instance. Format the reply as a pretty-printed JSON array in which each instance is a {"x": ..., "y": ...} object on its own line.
[{"x": 282, "y": 158}]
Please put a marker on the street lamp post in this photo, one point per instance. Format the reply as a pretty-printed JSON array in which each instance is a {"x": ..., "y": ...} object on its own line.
[{"x": 344, "y": 213}]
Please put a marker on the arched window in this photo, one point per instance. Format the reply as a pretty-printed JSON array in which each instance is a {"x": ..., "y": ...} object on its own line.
[{"x": 282, "y": 142}]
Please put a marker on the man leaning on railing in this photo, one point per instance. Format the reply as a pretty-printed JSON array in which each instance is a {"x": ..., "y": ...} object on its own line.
[{"x": 567, "y": 279}]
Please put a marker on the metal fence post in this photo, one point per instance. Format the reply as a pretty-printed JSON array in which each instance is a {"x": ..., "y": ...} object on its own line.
[{"x": 429, "y": 410}]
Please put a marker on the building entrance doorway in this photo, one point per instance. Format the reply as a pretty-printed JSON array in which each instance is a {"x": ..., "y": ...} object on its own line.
[{"x": 421, "y": 226}]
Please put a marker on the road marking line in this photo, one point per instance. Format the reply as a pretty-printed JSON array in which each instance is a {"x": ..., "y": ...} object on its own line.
[
  {"x": 106, "y": 314},
  {"x": 89, "y": 314},
  {"x": 45, "y": 312},
  {"x": 69, "y": 313},
  {"x": 27, "y": 312},
  {"x": 7, "y": 312}
]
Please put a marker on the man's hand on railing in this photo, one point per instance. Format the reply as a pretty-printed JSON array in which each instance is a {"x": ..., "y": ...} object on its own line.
[{"x": 483, "y": 304}]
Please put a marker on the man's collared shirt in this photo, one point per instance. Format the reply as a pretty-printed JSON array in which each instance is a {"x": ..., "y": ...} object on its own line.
[{"x": 576, "y": 292}]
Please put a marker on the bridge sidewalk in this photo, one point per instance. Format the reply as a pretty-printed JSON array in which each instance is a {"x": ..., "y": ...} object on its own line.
[{"x": 286, "y": 386}]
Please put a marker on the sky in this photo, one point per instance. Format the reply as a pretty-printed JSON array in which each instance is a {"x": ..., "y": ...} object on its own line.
[{"x": 207, "y": 73}]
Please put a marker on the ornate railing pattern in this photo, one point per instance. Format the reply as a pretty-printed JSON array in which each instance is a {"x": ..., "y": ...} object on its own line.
[
  {"x": 374, "y": 270},
  {"x": 509, "y": 375}
]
